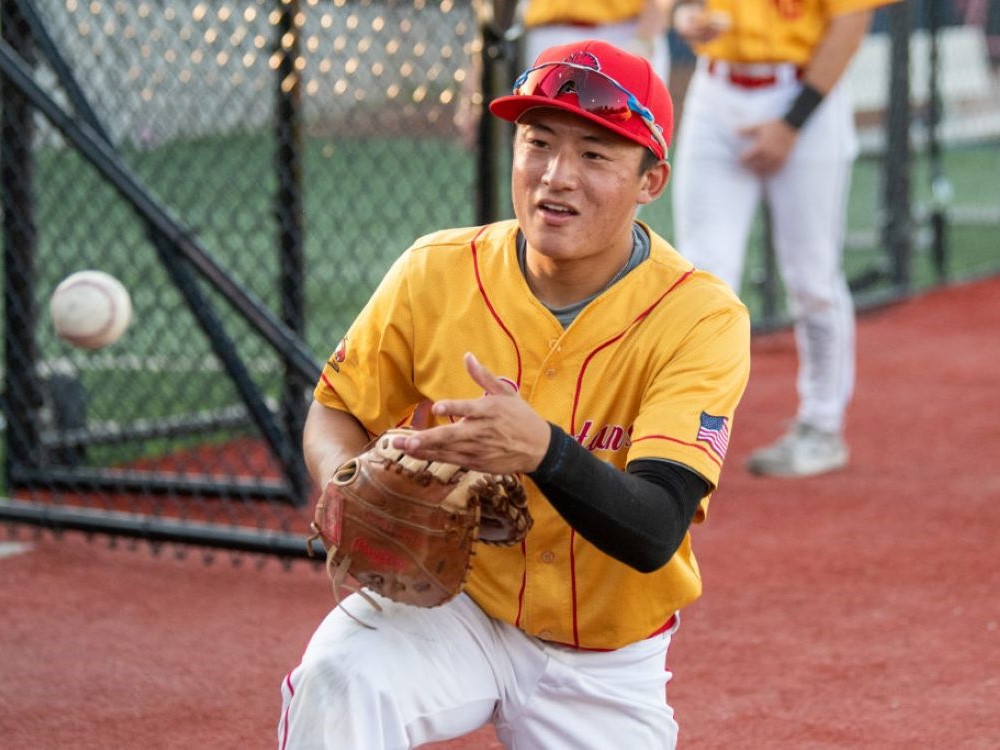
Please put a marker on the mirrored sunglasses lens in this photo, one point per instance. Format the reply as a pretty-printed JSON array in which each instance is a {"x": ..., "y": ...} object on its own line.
[{"x": 595, "y": 93}]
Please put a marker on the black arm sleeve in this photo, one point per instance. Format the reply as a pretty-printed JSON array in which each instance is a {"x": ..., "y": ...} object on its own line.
[{"x": 638, "y": 516}]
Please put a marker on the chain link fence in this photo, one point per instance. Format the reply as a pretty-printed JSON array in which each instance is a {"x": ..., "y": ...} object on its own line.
[
  {"x": 242, "y": 168},
  {"x": 249, "y": 170},
  {"x": 950, "y": 161}
]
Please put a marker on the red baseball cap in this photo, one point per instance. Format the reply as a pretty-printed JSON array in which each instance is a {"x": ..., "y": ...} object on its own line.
[{"x": 601, "y": 82}]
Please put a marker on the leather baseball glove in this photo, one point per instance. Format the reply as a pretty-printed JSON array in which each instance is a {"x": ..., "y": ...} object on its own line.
[{"x": 407, "y": 529}]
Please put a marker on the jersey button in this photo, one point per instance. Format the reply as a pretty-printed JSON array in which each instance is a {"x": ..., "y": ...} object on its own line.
[
  {"x": 548, "y": 557},
  {"x": 550, "y": 373},
  {"x": 545, "y": 635}
]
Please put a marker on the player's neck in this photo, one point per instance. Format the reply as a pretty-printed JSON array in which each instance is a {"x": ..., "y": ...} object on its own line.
[{"x": 560, "y": 282}]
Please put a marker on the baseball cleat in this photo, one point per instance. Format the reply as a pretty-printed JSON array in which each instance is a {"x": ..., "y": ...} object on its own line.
[{"x": 803, "y": 451}]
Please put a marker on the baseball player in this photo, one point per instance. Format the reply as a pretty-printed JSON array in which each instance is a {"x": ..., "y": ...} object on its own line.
[
  {"x": 639, "y": 26},
  {"x": 577, "y": 348},
  {"x": 767, "y": 115}
]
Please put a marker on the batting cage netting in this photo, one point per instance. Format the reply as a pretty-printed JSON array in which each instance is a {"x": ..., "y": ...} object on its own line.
[{"x": 250, "y": 169}]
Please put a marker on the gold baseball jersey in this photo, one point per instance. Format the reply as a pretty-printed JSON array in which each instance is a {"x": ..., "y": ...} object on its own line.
[
  {"x": 652, "y": 368},
  {"x": 541, "y": 12},
  {"x": 775, "y": 31}
]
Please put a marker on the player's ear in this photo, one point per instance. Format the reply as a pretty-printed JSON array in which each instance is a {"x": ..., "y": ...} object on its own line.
[{"x": 654, "y": 182}]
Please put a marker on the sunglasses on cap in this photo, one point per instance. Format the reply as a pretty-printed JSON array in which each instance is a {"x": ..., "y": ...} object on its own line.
[{"x": 597, "y": 93}]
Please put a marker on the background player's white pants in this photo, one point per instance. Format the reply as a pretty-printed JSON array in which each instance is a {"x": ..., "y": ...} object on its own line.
[
  {"x": 539, "y": 38},
  {"x": 432, "y": 674},
  {"x": 716, "y": 199}
]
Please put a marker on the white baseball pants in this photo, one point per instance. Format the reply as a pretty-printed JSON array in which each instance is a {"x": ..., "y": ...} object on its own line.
[
  {"x": 426, "y": 675},
  {"x": 715, "y": 200}
]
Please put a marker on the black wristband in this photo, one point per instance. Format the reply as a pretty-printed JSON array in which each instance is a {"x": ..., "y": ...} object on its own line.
[{"x": 804, "y": 105}]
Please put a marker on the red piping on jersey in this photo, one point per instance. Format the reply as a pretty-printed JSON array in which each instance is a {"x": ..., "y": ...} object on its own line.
[
  {"x": 576, "y": 403},
  {"x": 489, "y": 305},
  {"x": 609, "y": 342},
  {"x": 524, "y": 584},
  {"x": 712, "y": 457},
  {"x": 517, "y": 355}
]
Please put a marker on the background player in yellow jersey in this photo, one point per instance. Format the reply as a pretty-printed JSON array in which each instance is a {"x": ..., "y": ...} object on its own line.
[
  {"x": 577, "y": 347},
  {"x": 638, "y": 26},
  {"x": 767, "y": 115}
]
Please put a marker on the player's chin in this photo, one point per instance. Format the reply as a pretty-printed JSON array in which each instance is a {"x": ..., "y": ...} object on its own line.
[
  {"x": 559, "y": 241},
  {"x": 554, "y": 250}
]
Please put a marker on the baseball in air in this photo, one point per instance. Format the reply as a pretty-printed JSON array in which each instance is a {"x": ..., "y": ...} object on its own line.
[{"x": 90, "y": 309}]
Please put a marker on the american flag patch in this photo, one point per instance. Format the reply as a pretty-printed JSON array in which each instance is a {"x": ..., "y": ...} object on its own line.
[{"x": 715, "y": 432}]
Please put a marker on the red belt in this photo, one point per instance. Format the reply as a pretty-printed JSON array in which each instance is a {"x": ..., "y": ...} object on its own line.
[{"x": 742, "y": 77}]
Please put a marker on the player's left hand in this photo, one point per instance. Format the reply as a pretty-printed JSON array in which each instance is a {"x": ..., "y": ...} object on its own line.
[
  {"x": 499, "y": 433},
  {"x": 769, "y": 146}
]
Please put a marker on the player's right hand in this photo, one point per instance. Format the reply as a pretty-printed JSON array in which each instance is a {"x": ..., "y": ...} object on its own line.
[{"x": 497, "y": 433}]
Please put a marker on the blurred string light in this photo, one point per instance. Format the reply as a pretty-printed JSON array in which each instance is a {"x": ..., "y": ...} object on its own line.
[{"x": 358, "y": 50}]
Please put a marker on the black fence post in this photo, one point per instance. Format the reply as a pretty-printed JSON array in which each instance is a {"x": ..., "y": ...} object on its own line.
[
  {"x": 487, "y": 140},
  {"x": 22, "y": 393},
  {"x": 940, "y": 187},
  {"x": 289, "y": 210},
  {"x": 499, "y": 56},
  {"x": 897, "y": 229}
]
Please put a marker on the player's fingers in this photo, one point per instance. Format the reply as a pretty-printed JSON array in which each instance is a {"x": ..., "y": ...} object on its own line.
[
  {"x": 457, "y": 408},
  {"x": 491, "y": 384},
  {"x": 477, "y": 444},
  {"x": 441, "y": 443}
]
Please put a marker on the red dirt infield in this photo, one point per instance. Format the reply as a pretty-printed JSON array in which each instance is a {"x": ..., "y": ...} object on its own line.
[{"x": 855, "y": 610}]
